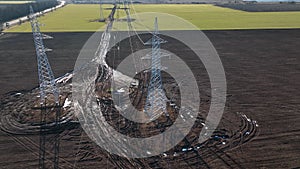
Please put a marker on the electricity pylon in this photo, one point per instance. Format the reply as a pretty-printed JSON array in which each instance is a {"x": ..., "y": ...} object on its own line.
[
  {"x": 46, "y": 77},
  {"x": 156, "y": 98},
  {"x": 101, "y": 12},
  {"x": 47, "y": 86}
]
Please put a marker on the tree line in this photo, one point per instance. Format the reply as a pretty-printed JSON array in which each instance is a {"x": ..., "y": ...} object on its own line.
[
  {"x": 13, "y": 11},
  {"x": 257, "y": 7}
]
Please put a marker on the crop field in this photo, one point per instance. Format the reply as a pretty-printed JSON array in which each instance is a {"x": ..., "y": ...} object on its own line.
[
  {"x": 259, "y": 52},
  {"x": 81, "y": 18},
  {"x": 263, "y": 83}
]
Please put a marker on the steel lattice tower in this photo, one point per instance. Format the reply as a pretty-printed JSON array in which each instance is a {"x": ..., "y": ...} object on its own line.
[
  {"x": 46, "y": 77},
  {"x": 47, "y": 86},
  {"x": 156, "y": 98},
  {"x": 101, "y": 12}
]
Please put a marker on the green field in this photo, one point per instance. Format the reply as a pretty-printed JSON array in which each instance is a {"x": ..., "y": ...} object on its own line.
[{"x": 78, "y": 18}]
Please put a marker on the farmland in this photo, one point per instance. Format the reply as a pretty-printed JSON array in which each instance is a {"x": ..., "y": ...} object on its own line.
[
  {"x": 80, "y": 18},
  {"x": 262, "y": 83},
  {"x": 259, "y": 52}
]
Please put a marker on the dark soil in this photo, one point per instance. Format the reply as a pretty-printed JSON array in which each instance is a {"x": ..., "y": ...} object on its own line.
[{"x": 262, "y": 71}]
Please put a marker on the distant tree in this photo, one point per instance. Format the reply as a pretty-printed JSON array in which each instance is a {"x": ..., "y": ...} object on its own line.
[{"x": 10, "y": 12}]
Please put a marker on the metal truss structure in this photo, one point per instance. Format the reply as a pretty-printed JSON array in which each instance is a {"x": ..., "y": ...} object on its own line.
[
  {"x": 47, "y": 87},
  {"x": 46, "y": 77},
  {"x": 156, "y": 98}
]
